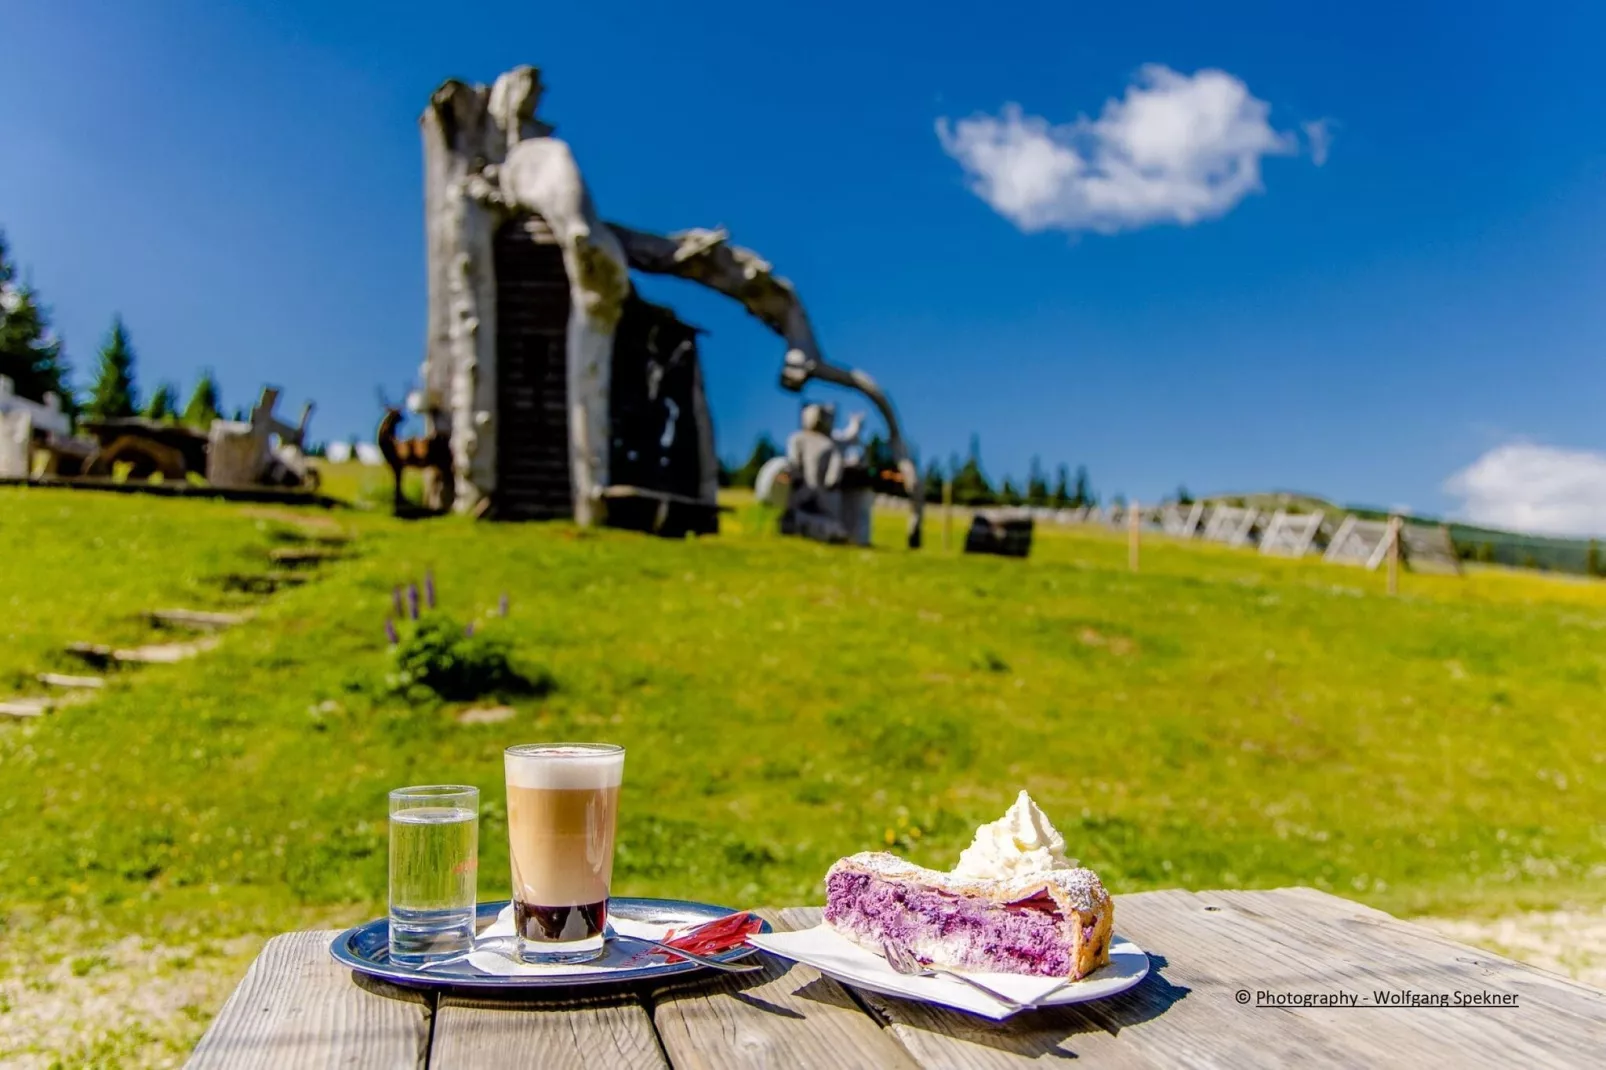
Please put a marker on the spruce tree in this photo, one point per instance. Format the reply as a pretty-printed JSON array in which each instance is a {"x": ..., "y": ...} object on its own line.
[
  {"x": 30, "y": 354},
  {"x": 163, "y": 404},
  {"x": 1008, "y": 494},
  {"x": 204, "y": 405},
  {"x": 878, "y": 455},
  {"x": 764, "y": 450},
  {"x": 1062, "y": 488},
  {"x": 113, "y": 396},
  {"x": 970, "y": 482},
  {"x": 1036, "y": 485},
  {"x": 1083, "y": 494},
  {"x": 933, "y": 481}
]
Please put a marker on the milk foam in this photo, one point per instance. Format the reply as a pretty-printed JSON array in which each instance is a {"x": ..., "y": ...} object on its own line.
[{"x": 560, "y": 768}]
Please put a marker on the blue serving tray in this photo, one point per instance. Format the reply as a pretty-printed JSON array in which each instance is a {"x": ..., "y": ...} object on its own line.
[{"x": 366, "y": 949}]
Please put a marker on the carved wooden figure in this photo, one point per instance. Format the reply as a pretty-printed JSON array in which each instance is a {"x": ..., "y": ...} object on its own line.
[{"x": 532, "y": 315}]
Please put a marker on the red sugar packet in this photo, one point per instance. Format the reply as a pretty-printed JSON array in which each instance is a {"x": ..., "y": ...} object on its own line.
[{"x": 721, "y": 934}]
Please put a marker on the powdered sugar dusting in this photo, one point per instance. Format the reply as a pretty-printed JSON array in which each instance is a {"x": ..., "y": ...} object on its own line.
[{"x": 1078, "y": 889}]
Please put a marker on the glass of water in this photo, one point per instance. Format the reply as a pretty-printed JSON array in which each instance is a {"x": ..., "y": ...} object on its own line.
[{"x": 434, "y": 866}]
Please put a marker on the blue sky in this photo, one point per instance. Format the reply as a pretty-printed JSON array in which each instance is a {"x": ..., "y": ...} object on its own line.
[{"x": 242, "y": 182}]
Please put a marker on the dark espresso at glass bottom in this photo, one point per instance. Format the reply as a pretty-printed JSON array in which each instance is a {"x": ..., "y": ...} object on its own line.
[{"x": 559, "y": 924}]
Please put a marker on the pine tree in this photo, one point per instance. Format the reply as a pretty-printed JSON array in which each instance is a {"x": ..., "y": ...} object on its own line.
[
  {"x": 113, "y": 395},
  {"x": 163, "y": 404},
  {"x": 878, "y": 455},
  {"x": 204, "y": 405},
  {"x": 1008, "y": 494},
  {"x": 1062, "y": 488},
  {"x": 970, "y": 482},
  {"x": 1083, "y": 494},
  {"x": 1036, "y": 485},
  {"x": 30, "y": 353},
  {"x": 933, "y": 481},
  {"x": 764, "y": 450},
  {"x": 1183, "y": 497}
]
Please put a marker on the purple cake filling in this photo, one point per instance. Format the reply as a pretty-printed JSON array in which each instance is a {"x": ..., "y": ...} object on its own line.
[{"x": 973, "y": 933}]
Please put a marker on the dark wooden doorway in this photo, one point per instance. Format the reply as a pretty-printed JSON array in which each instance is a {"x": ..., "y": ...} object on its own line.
[
  {"x": 532, "y": 425},
  {"x": 654, "y": 402}
]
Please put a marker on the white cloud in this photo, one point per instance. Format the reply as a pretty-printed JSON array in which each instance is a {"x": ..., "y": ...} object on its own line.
[
  {"x": 1532, "y": 488},
  {"x": 1175, "y": 149},
  {"x": 1319, "y": 136}
]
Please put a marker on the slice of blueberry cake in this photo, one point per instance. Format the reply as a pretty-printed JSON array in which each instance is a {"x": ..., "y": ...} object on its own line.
[
  {"x": 1014, "y": 904},
  {"x": 1054, "y": 924}
]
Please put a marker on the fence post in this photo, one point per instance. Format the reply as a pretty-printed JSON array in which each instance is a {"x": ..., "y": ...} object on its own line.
[
  {"x": 947, "y": 513},
  {"x": 1134, "y": 517},
  {"x": 1394, "y": 555}
]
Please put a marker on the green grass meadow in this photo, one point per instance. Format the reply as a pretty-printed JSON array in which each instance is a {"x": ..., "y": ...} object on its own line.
[{"x": 1218, "y": 719}]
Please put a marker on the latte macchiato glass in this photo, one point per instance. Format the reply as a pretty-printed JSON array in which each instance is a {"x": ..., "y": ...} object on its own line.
[{"x": 562, "y": 807}]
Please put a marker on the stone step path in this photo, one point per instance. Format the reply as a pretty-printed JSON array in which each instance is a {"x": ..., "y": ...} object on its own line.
[
  {"x": 196, "y": 619},
  {"x": 81, "y": 683},
  {"x": 261, "y": 583},
  {"x": 102, "y": 655},
  {"x": 293, "y": 556},
  {"x": 38, "y": 705},
  {"x": 26, "y": 707},
  {"x": 291, "y": 565}
]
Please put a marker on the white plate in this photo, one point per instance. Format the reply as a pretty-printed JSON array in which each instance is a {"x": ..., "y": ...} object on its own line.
[{"x": 838, "y": 957}]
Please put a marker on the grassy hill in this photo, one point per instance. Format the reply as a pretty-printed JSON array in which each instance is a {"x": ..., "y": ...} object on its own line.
[{"x": 1218, "y": 719}]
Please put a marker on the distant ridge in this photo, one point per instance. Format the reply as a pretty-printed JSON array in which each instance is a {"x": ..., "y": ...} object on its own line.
[{"x": 1474, "y": 542}]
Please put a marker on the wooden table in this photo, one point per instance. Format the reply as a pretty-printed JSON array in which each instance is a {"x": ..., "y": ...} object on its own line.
[{"x": 1211, "y": 953}]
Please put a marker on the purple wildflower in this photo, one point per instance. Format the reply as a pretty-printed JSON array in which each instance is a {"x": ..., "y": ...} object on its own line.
[
  {"x": 396, "y": 601},
  {"x": 502, "y": 605},
  {"x": 412, "y": 600},
  {"x": 390, "y": 631},
  {"x": 429, "y": 589},
  {"x": 468, "y": 630}
]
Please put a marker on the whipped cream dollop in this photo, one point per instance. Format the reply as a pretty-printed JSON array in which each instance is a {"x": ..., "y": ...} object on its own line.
[{"x": 1021, "y": 842}]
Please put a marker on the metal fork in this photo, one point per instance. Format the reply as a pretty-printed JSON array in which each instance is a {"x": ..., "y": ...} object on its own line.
[{"x": 903, "y": 961}]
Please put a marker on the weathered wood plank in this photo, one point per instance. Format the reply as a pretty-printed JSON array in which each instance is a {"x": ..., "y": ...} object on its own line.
[
  {"x": 1212, "y": 951},
  {"x": 484, "y": 1034},
  {"x": 297, "y": 1007},
  {"x": 787, "y": 1016},
  {"x": 1207, "y": 946},
  {"x": 1562, "y": 1021}
]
